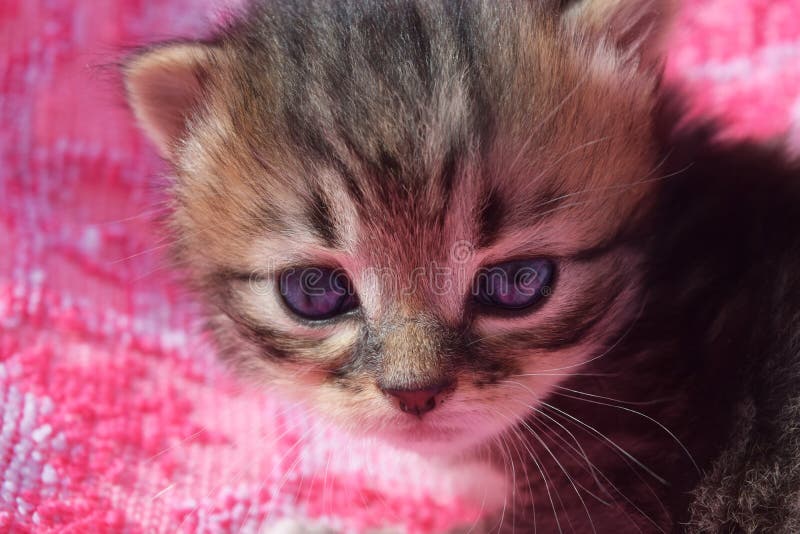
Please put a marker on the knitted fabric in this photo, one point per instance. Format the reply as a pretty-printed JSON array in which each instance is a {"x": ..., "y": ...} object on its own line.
[{"x": 114, "y": 414}]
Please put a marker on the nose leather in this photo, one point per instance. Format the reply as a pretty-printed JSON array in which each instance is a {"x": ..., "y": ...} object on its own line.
[{"x": 418, "y": 401}]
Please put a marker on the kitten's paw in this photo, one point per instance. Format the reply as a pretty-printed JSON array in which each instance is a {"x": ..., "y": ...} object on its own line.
[{"x": 296, "y": 526}]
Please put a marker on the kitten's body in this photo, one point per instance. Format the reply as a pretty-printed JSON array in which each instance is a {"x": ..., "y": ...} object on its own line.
[{"x": 406, "y": 136}]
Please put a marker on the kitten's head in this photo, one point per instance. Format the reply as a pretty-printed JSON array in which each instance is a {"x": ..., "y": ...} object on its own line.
[{"x": 411, "y": 214}]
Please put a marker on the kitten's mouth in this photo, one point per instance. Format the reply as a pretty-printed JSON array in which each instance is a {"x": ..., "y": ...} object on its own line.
[
  {"x": 423, "y": 435},
  {"x": 428, "y": 432},
  {"x": 439, "y": 434}
]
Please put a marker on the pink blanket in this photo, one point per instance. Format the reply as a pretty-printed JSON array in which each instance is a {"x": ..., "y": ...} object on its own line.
[{"x": 114, "y": 415}]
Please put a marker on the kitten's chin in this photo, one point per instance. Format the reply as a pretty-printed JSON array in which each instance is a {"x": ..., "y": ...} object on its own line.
[{"x": 432, "y": 439}]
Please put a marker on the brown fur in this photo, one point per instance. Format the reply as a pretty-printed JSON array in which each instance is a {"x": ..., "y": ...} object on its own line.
[{"x": 412, "y": 143}]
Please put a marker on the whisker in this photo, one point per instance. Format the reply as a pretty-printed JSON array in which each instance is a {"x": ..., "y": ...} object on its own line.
[
  {"x": 627, "y": 185},
  {"x": 636, "y": 473},
  {"x": 545, "y": 119},
  {"x": 301, "y": 440},
  {"x": 392, "y": 512},
  {"x": 563, "y": 470},
  {"x": 616, "y": 343},
  {"x": 505, "y": 475},
  {"x": 635, "y": 412},
  {"x": 162, "y": 266},
  {"x": 564, "y": 156},
  {"x": 545, "y": 478},
  {"x": 325, "y": 498},
  {"x": 595, "y": 431},
  {"x": 163, "y": 243},
  {"x": 571, "y": 452},
  {"x": 521, "y": 440},
  {"x": 594, "y": 471},
  {"x": 513, "y": 487},
  {"x": 284, "y": 478},
  {"x": 571, "y": 480},
  {"x": 147, "y": 251},
  {"x": 162, "y": 206},
  {"x": 171, "y": 447},
  {"x": 239, "y": 473},
  {"x": 479, "y": 516},
  {"x": 579, "y": 364},
  {"x": 603, "y": 375},
  {"x": 628, "y": 455},
  {"x": 620, "y": 401},
  {"x": 163, "y": 491}
]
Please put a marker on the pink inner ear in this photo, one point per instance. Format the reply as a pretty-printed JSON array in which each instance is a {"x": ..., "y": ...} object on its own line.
[{"x": 164, "y": 87}]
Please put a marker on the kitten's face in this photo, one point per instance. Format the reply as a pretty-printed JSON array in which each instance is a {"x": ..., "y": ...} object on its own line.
[{"x": 416, "y": 230}]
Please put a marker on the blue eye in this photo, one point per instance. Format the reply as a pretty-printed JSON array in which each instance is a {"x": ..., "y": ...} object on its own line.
[
  {"x": 317, "y": 292},
  {"x": 514, "y": 285}
]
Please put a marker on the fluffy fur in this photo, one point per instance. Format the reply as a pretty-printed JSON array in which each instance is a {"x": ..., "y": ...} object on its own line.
[{"x": 410, "y": 143}]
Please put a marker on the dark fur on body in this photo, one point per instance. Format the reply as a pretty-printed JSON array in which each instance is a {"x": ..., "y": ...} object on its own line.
[
  {"x": 736, "y": 217},
  {"x": 713, "y": 357},
  {"x": 387, "y": 134}
]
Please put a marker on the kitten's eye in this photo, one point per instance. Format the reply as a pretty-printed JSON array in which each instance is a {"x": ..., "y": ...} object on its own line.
[
  {"x": 317, "y": 292},
  {"x": 514, "y": 285}
]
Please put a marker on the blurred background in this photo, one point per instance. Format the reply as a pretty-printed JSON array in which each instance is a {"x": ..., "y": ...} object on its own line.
[{"x": 114, "y": 415}]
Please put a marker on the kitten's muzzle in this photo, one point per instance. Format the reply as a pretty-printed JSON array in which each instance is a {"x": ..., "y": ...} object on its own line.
[{"x": 420, "y": 401}]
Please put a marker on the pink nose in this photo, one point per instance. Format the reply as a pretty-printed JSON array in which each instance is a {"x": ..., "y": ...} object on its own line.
[{"x": 418, "y": 401}]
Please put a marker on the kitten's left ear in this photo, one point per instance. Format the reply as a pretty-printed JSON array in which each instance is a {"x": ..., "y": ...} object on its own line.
[
  {"x": 165, "y": 86},
  {"x": 638, "y": 28}
]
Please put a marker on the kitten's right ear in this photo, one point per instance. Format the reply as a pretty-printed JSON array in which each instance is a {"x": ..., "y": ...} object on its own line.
[
  {"x": 164, "y": 87},
  {"x": 637, "y": 28}
]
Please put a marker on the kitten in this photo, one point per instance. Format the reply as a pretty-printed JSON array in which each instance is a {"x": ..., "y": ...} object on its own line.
[{"x": 466, "y": 226}]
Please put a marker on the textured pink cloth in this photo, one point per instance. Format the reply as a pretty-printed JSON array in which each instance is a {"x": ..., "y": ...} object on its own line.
[{"x": 114, "y": 415}]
